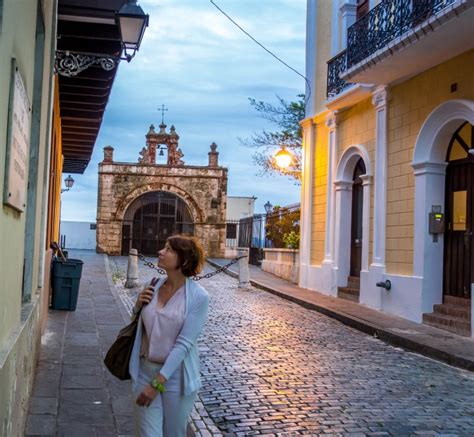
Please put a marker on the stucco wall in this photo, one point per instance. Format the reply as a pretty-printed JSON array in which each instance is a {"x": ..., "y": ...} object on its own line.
[
  {"x": 20, "y": 323},
  {"x": 319, "y": 193},
  {"x": 410, "y": 104}
]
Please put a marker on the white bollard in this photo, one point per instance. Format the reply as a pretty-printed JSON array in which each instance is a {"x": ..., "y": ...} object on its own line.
[
  {"x": 244, "y": 275},
  {"x": 132, "y": 269}
]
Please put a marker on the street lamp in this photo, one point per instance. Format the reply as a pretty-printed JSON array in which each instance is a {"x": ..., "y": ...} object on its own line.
[
  {"x": 283, "y": 158},
  {"x": 132, "y": 23},
  {"x": 268, "y": 207},
  {"x": 69, "y": 182}
]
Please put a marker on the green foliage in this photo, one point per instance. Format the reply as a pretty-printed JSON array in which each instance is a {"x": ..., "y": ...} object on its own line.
[
  {"x": 292, "y": 240},
  {"x": 282, "y": 228},
  {"x": 286, "y": 116}
]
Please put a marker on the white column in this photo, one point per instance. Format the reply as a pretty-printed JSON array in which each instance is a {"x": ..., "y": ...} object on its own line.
[
  {"x": 380, "y": 100},
  {"x": 331, "y": 122},
  {"x": 342, "y": 237},
  {"x": 366, "y": 184},
  {"x": 348, "y": 13},
  {"x": 307, "y": 167}
]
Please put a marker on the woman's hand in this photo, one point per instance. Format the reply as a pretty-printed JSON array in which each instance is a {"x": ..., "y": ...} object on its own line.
[
  {"x": 146, "y": 295},
  {"x": 146, "y": 397}
]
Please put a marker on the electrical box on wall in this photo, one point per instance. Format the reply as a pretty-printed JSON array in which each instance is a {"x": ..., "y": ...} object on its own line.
[{"x": 436, "y": 223}]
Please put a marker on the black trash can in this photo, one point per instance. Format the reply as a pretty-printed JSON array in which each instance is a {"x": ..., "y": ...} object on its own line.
[{"x": 66, "y": 278}]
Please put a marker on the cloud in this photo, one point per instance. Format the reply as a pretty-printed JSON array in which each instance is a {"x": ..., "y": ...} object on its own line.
[{"x": 197, "y": 63}]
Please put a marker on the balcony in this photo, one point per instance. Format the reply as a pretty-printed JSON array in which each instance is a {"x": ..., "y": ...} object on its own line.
[
  {"x": 336, "y": 66},
  {"x": 401, "y": 38}
]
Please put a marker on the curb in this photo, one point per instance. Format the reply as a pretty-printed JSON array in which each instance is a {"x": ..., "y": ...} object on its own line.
[{"x": 366, "y": 327}]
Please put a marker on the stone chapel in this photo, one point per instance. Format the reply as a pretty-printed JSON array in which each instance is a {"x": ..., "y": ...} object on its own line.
[{"x": 141, "y": 204}]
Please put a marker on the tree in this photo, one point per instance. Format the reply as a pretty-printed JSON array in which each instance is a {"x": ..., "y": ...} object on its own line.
[{"x": 286, "y": 115}]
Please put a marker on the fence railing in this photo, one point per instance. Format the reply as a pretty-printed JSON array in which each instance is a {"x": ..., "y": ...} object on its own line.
[
  {"x": 388, "y": 20},
  {"x": 336, "y": 66},
  {"x": 264, "y": 231}
]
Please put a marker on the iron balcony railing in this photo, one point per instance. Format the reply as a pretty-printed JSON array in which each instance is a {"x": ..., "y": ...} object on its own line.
[
  {"x": 388, "y": 20},
  {"x": 336, "y": 66}
]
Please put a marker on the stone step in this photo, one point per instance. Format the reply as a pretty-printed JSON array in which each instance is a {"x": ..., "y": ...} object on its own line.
[
  {"x": 449, "y": 323},
  {"x": 453, "y": 310},
  {"x": 348, "y": 293},
  {"x": 353, "y": 282},
  {"x": 452, "y": 300}
]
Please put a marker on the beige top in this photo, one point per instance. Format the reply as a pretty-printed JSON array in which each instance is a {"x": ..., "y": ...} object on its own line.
[{"x": 162, "y": 326}]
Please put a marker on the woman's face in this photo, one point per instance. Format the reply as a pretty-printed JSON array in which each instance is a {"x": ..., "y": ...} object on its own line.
[{"x": 168, "y": 258}]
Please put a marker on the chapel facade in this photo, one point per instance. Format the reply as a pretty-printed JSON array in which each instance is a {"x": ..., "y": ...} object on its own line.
[{"x": 141, "y": 204}]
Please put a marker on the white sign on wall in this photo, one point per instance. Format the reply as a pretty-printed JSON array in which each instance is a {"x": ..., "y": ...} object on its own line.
[{"x": 19, "y": 123}]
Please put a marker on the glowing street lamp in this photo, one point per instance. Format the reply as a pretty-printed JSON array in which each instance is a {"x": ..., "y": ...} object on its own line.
[{"x": 283, "y": 158}]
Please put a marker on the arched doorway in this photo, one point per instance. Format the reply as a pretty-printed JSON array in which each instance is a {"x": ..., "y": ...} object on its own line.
[
  {"x": 458, "y": 262},
  {"x": 151, "y": 219},
  {"x": 356, "y": 220}
]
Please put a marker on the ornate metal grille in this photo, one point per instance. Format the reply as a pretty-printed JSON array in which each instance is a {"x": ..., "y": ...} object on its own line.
[
  {"x": 151, "y": 219},
  {"x": 385, "y": 22},
  {"x": 336, "y": 66}
]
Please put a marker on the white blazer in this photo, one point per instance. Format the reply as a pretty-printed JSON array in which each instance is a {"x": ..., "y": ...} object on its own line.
[{"x": 185, "y": 349}]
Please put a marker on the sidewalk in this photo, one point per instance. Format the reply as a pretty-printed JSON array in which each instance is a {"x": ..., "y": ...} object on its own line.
[
  {"x": 74, "y": 395},
  {"x": 423, "y": 339}
]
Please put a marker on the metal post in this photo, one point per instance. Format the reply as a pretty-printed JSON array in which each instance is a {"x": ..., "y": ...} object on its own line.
[
  {"x": 132, "y": 269},
  {"x": 244, "y": 276}
]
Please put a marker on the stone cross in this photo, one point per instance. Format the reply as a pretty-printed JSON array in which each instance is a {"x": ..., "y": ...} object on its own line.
[{"x": 163, "y": 110}]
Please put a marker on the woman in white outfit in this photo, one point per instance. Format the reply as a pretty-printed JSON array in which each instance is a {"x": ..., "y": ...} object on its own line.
[{"x": 165, "y": 365}]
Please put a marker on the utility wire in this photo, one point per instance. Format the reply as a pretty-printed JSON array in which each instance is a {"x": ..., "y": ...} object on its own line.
[{"x": 264, "y": 48}]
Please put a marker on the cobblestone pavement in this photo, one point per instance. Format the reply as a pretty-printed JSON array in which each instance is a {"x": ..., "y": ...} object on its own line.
[{"x": 272, "y": 367}]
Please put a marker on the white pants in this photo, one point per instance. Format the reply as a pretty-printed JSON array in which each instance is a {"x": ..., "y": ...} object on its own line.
[{"x": 168, "y": 414}]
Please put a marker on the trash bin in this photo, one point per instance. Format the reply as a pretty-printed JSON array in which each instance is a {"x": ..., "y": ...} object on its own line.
[{"x": 66, "y": 278}]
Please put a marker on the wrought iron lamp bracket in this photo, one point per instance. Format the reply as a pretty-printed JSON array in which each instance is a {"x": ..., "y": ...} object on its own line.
[{"x": 70, "y": 64}]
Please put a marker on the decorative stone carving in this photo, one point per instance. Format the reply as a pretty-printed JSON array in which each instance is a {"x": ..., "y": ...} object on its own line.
[{"x": 202, "y": 188}]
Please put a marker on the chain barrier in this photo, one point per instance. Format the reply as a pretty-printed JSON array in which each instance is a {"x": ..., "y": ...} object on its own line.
[{"x": 151, "y": 265}]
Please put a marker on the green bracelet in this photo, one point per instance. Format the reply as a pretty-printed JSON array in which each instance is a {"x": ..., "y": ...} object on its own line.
[{"x": 157, "y": 385}]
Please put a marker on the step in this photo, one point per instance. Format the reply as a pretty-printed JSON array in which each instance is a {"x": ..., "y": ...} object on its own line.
[
  {"x": 353, "y": 282},
  {"x": 453, "y": 324},
  {"x": 348, "y": 293},
  {"x": 453, "y": 310},
  {"x": 452, "y": 300}
]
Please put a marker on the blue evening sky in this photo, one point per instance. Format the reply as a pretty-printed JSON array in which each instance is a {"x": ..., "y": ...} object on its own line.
[{"x": 204, "y": 69}]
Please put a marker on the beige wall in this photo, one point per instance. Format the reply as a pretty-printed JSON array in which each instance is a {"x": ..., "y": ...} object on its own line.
[
  {"x": 410, "y": 104},
  {"x": 323, "y": 53},
  {"x": 319, "y": 193},
  {"x": 20, "y": 323}
]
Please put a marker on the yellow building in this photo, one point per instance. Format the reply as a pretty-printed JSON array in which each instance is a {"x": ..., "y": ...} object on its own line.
[
  {"x": 52, "y": 100},
  {"x": 388, "y": 180}
]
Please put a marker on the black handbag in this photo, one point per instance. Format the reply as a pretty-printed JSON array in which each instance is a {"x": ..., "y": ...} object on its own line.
[{"x": 118, "y": 356}]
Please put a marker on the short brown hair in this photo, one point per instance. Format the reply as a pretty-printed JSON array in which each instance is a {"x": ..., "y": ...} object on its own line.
[{"x": 190, "y": 253}]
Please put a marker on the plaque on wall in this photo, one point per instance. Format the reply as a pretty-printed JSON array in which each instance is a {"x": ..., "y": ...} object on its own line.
[{"x": 18, "y": 143}]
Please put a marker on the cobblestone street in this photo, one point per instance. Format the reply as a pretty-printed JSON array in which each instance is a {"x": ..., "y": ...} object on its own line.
[{"x": 271, "y": 366}]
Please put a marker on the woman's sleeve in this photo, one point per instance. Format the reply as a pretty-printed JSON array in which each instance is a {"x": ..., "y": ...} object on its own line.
[{"x": 192, "y": 327}]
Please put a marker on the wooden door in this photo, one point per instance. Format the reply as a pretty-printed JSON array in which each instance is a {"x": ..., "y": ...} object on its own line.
[
  {"x": 459, "y": 216},
  {"x": 356, "y": 221}
]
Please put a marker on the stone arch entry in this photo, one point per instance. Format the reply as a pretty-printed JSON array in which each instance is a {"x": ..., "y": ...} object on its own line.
[
  {"x": 429, "y": 164},
  {"x": 151, "y": 219},
  {"x": 353, "y": 158}
]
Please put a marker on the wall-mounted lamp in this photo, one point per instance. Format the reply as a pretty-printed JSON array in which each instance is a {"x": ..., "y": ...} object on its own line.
[
  {"x": 69, "y": 182},
  {"x": 132, "y": 23}
]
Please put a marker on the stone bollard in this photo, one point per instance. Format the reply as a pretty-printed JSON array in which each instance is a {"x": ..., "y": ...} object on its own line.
[
  {"x": 132, "y": 269},
  {"x": 244, "y": 276}
]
